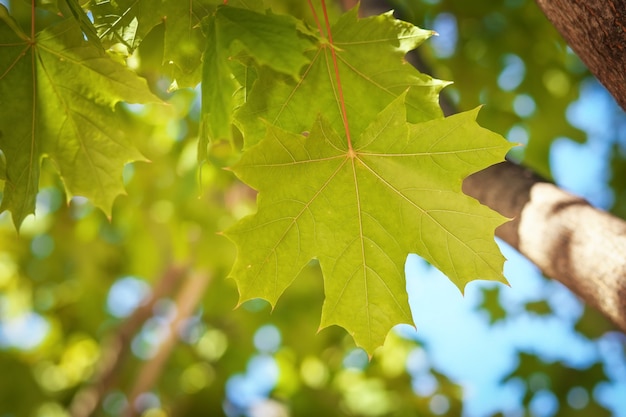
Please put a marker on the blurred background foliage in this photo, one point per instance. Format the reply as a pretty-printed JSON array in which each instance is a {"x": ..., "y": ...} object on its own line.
[{"x": 75, "y": 285}]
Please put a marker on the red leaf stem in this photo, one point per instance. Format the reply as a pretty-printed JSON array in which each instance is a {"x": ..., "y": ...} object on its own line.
[{"x": 342, "y": 102}]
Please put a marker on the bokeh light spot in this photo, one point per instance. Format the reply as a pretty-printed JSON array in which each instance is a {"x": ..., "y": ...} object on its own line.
[
  {"x": 267, "y": 339},
  {"x": 524, "y": 105},
  {"x": 439, "y": 404},
  {"x": 544, "y": 404},
  {"x": 125, "y": 295},
  {"x": 212, "y": 344},
  {"x": 513, "y": 72},
  {"x": 115, "y": 403},
  {"x": 314, "y": 372},
  {"x": 556, "y": 82},
  {"x": 444, "y": 44},
  {"x": 196, "y": 377},
  {"x": 355, "y": 359},
  {"x": 42, "y": 246},
  {"x": 578, "y": 398}
]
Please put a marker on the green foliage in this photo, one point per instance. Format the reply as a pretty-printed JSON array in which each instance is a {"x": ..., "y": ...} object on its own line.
[
  {"x": 565, "y": 382},
  {"x": 492, "y": 35},
  {"x": 65, "y": 111},
  {"x": 344, "y": 196},
  {"x": 355, "y": 209},
  {"x": 491, "y": 305},
  {"x": 395, "y": 189},
  {"x": 271, "y": 40},
  {"x": 369, "y": 85}
]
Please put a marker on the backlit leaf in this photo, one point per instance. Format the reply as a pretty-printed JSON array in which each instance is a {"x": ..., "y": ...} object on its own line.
[
  {"x": 184, "y": 42},
  {"x": 372, "y": 83},
  {"x": 362, "y": 210},
  {"x": 65, "y": 111},
  {"x": 125, "y": 21},
  {"x": 271, "y": 40}
]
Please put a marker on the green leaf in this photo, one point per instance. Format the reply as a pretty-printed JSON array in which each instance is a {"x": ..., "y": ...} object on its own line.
[
  {"x": 17, "y": 142},
  {"x": 125, "y": 21},
  {"x": 539, "y": 307},
  {"x": 218, "y": 89},
  {"x": 271, "y": 40},
  {"x": 184, "y": 41},
  {"x": 372, "y": 83},
  {"x": 491, "y": 305},
  {"x": 58, "y": 94},
  {"x": 362, "y": 210},
  {"x": 85, "y": 24}
]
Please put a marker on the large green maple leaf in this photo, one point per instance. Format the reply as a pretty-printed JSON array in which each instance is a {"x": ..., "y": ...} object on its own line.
[
  {"x": 58, "y": 95},
  {"x": 361, "y": 210},
  {"x": 370, "y": 54}
]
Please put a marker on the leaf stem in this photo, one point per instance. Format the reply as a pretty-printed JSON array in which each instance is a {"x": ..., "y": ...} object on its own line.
[
  {"x": 342, "y": 102},
  {"x": 317, "y": 20},
  {"x": 32, "y": 21}
]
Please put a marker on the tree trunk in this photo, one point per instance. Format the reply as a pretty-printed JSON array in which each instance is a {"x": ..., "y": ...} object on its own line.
[
  {"x": 582, "y": 247},
  {"x": 569, "y": 240},
  {"x": 596, "y": 31}
]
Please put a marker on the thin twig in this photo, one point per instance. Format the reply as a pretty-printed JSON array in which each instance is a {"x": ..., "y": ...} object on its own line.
[
  {"x": 117, "y": 347},
  {"x": 187, "y": 300}
]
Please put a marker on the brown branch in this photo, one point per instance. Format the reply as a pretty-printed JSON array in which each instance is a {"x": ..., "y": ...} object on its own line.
[
  {"x": 117, "y": 347},
  {"x": 572, "y": 242},
  {"x": 187, "y": 300},
  {"x": 569, "y": 240},
  {"x": 596, "y": 31}
]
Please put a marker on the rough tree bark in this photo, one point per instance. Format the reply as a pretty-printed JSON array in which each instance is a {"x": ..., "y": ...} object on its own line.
[
  {"x": 582, "y": 247},
  {"x": 569, "y": 240},
  {"x": 596, "y": 31}
]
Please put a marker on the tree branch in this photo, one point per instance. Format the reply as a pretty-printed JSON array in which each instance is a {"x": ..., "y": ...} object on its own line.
[
  {"x": 596, "y": 31},
  {"x": 187, "y": 300},
  {"x": 569, "y": 240},
  {"x": 117, "y": 347}
]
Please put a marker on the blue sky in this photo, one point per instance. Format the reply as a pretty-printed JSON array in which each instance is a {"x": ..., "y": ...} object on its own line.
[{"x": 461, "y": 344}]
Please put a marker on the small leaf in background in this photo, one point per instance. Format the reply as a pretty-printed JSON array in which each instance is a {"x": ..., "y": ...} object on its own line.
[
  {"x": 85, "y": 24},
  {"x": 593, "y": 324},
  {"x": 68, "y": 115},
  {"x": 491, "y": 305},
  {"x": 271, "y": 40},
  {"x": 559, "y": 379},
  {"x": 362, "y": 210},
  {"x": 540, "y": 307}
]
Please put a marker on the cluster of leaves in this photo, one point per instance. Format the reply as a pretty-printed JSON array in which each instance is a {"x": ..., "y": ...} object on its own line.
[
  {"x": 528, "y": 87},
  {"x": 63, "y": 78},
  {"x": 354, "y": 164}
]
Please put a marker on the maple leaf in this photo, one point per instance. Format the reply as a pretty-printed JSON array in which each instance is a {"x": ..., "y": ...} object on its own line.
[
  {"x": 183, "y": 41},
  {"x": 125, "y": 21},
  {"x": 361, "y": 210},
  {"x": 370, "y": 55},
  {"x": 271, "y": 40},
  {"x": 57, "y": 94}
]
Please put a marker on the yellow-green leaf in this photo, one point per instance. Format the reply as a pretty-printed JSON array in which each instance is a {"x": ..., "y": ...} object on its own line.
[
  {"x": 271, "y": 40},
  {"x": 370, "y": 54},
  {"x": 58, "y": 94},
  {"x": 362, "y": 210}
]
